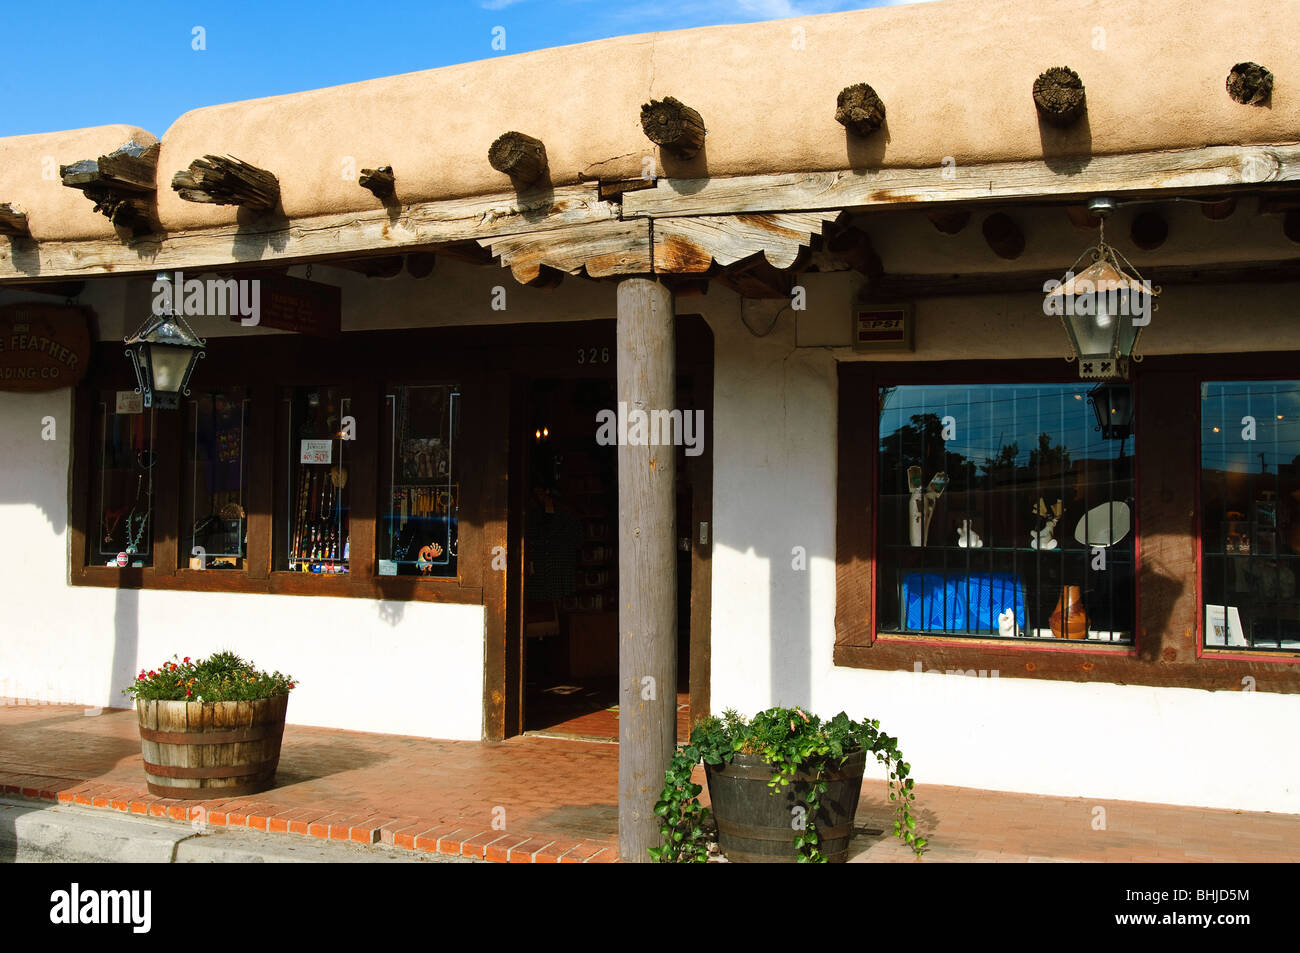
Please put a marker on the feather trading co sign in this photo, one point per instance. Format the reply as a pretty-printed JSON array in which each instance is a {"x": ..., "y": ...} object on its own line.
[{"x": 43, "y": 346}]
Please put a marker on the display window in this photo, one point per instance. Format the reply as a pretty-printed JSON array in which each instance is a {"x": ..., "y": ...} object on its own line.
[
  {"x": 1006, "y": 511},
  {"x": 1250, "y": 514},
  {"x": 420, "y": 520},
  {"x": 215, "y": 480},
  {"x": 315, "y": 536},
  {"x": 124, "y": 481}
]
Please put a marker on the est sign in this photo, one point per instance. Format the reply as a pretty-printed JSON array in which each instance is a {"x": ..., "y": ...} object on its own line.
[{"x": 42, "y": 346}]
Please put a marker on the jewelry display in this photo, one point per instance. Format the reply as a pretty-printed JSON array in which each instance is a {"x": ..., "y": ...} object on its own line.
[
  {"x": 112, "y": 519},
  {"x": 135, "y": 524}
]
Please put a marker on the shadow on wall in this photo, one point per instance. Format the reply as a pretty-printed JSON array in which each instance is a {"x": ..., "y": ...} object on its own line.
[
  {"x": 126, "y": 645},
  {"x": 34, "y": 447}
]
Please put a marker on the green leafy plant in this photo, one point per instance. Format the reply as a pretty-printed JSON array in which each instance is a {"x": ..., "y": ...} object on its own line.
[
  {"x": 791, "y": 741},
  {"x": 221, "y": 677}
]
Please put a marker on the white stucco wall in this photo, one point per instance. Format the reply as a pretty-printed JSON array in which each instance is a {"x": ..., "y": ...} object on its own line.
[
  {"x": 413, "y": 668},
  {"x": 773, "y": 626},
  {"x": 409, "y": 668}
]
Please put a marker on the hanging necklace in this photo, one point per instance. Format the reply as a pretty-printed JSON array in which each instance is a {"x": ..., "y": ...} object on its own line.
[
  {"x": 134, "y": 529},
  {"x": 112, "y": 519}
]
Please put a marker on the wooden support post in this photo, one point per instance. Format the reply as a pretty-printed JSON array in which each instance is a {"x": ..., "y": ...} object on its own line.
[
  {"x": 381, "y": 182},
  {"x": 13, "y": 221},
  {"x": 225, "y": 180},
  {"x": 673, "y": 126},
  {"x": 647, "y": 565},
  {"x": 1059, "y": 96},
  {"x": 521, "y": 157}
]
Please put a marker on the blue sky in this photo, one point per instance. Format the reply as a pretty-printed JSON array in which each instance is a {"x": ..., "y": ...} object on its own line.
[{"x": 72, "y": 63}]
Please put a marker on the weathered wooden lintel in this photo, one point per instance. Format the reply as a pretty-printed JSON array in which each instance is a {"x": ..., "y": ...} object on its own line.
[
  {"x": 346, "y": 234},
  {"x": 523, "y": 217},
  {"x": 1213, "y": 169}
]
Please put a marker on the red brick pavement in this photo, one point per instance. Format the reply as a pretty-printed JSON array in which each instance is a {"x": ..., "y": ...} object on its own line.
[{"x": 546, "y": 800}]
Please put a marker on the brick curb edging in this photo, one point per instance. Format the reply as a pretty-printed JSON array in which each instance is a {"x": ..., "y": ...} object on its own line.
[{"x": 406, "y": 833}]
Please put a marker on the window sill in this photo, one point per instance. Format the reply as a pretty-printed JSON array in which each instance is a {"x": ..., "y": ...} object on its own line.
[
  {"x": 346, "y": 585},
  {"x": 1074, "y": 646}
]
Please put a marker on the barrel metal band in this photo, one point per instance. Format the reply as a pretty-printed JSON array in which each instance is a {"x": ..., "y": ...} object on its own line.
[
  {"x": 253, "y": 733},
  {"x": 223, "y": 771}
]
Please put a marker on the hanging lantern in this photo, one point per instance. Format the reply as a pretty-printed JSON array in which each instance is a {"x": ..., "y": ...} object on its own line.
[
  {"x": 1103, "y": 308},
  {"x": 163, "y": 354}
]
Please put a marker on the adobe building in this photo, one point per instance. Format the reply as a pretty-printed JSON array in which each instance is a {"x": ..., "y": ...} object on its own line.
[{"x": 821, "y": 250}]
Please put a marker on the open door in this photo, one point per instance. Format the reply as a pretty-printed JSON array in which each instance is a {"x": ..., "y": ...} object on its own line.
[{"x": 563, "y": 590}]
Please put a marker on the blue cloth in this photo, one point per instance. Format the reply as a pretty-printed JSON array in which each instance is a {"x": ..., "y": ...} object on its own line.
[{"x": 961, "y": 602}]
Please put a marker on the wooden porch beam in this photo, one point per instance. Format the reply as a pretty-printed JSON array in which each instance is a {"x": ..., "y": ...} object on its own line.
[
  {"x": 323, "y": 237},
  {"x": 1192, "y": 170}
]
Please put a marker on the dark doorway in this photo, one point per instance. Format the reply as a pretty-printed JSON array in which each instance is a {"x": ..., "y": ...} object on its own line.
[{"x": 565, "y": 518}]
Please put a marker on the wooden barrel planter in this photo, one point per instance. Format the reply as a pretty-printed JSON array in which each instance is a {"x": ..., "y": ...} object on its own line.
[
  {"x": 201, "y": 750},
  {"x": 757, "y": 826}
]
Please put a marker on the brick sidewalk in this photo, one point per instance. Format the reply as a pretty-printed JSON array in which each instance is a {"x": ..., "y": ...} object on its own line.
[{"x": 558, "y": 799}]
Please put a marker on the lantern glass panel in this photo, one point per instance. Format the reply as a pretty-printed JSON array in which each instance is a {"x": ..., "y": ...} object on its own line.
[{"x": 170, "y": 363}]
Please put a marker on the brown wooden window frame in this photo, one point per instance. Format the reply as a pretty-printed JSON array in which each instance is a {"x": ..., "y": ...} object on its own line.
[
  {"x": 1166, "y": 649},
  {"x": 362, "y": 363},
  {"x": 1286, "y": 656}
]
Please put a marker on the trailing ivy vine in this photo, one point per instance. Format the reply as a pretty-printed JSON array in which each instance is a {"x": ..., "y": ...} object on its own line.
[{"x": 791, "y": 741}]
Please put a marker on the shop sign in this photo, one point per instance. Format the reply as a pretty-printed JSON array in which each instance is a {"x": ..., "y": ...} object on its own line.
[
  {"x": 129, "y": 402},
  {"x": 295, "y": 304},
  {"x": 316, "y": 451},
  {"x": 42, "y": 346}
]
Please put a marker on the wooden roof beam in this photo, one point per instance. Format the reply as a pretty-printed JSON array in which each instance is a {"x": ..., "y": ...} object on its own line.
[
  {"x": 380, "y": 182},
  {"x": 122, "y": 185},
  {"x": 521, "y": 157},
  {"x": 673, "y": 126},
  {"x": 225, "y": 180},
  {"x": 13, "y": 221}
]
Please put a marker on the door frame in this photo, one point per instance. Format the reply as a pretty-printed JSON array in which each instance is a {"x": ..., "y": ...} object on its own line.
[{"x": 504, "y": 676}]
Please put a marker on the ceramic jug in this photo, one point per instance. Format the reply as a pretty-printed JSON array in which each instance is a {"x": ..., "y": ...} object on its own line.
[{"x": 1069, "y": 619}]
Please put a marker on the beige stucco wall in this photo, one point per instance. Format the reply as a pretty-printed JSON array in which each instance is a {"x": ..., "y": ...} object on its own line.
[
  {"x": 29, "y": 179},
  {"x": 956, "y": 77}
]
